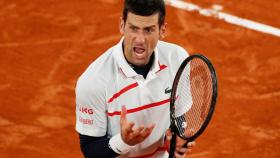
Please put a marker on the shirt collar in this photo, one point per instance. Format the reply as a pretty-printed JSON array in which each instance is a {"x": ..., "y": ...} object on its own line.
[{"x": 125, "y": 67}]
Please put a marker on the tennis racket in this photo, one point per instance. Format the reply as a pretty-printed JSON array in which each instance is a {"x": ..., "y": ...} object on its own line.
[{"x": 193, "y": 99}]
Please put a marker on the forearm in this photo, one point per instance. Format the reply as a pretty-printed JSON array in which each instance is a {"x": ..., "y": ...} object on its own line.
[{"x": 93, "y": 147}]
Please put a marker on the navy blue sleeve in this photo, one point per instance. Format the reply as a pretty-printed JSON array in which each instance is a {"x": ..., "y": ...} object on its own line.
[{"x": 93, "y": 147}]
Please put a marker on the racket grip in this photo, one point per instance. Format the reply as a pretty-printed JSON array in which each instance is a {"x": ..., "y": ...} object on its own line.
[{"x": 172, "y": 145}]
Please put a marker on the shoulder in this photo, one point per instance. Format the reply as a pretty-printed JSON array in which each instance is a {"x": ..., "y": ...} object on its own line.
[
  {"x": 98, "y": 74},
  {"x": 171, "y": 51}
]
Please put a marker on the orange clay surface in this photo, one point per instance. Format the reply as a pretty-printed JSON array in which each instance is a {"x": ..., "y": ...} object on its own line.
[{"x": 46, "y": 45}]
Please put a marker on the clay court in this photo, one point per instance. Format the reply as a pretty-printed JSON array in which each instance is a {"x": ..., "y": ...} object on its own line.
[{"x": 46, "y": 45}]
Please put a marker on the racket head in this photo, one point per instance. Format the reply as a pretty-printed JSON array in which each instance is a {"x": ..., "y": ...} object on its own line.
[{"x": 199, "y": 75}]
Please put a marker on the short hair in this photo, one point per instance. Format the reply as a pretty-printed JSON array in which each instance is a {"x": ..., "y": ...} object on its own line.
[{"x": 145, "y": 8}]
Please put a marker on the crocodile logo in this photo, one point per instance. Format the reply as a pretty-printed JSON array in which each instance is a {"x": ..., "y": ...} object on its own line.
[{"x": 167, "y": 90}]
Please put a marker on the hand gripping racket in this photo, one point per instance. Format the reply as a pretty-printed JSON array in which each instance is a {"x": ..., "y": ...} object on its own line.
[{"x": 193, "y": 99}]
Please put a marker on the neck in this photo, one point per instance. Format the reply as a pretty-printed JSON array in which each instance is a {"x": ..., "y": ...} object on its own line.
[{"x": 141, "y": 70}]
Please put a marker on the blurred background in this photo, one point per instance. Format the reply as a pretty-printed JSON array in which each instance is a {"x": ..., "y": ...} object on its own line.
[{"x": 45, "y": 45}]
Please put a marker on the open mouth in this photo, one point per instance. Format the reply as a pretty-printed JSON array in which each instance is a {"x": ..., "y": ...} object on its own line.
[{"x": 139, "y": 52}]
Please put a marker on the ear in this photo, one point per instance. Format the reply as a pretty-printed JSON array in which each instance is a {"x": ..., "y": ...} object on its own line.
[
  {"x": 162, "y": 31},
  {"x": 121, "y": 26}
]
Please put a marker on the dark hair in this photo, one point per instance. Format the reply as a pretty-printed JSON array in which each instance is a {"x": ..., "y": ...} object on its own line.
[{"x": 145, "y": 8}]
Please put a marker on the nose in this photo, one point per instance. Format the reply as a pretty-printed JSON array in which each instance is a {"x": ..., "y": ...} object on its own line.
[{"x": 140, "y": 38}]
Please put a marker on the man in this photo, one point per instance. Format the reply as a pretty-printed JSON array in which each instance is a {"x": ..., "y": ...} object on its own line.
[{"x": 123, "y": 96}]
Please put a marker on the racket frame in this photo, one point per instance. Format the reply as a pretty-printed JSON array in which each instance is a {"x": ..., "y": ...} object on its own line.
[{"x": 174, "y": 130}]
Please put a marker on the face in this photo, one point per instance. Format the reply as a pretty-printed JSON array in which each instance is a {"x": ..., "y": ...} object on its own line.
[{"x": 141, "y": 34}]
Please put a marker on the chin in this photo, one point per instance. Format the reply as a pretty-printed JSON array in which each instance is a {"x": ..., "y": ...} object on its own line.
[{"x": 139, "y": 63}]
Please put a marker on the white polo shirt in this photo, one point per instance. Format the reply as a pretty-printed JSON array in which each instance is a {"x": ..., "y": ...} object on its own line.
[{"x": 109, "y": 82}]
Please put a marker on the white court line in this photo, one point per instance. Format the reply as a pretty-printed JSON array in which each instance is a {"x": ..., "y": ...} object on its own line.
[{"x": 226, "y": 17}]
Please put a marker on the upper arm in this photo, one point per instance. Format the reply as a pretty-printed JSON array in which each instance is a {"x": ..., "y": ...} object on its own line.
[{"x": 91, "y": 116}]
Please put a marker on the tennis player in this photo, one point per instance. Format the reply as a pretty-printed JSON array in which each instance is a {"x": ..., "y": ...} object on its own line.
[{"x": 123, "y": 97}]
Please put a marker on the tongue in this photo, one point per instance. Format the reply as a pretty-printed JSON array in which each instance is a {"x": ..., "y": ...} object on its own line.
[{"x": 139, "y": 50}]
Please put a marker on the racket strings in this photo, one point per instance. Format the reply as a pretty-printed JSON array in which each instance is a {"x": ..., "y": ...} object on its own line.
[
  {"x": 181, "y": 121},
  {"x": 194, "y": 98}
]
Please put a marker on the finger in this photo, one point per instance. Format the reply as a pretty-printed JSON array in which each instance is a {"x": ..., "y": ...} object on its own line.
[
  {"x": 180, "y": 142},
  {"x": 145, "y": 133},
  {"x": 123, "y": 114},
  {"x": 189, "y": 151},
  {"x": 139, "y": 130},
  {"x": 168, "y": 134},
  {"x": 191, "y": 144},
  {"x": 150, "y": 127},
  {"x": 136, "y": 133},
  {"x": 181, "y": 150},
  {"x": 142, "y": 132},
  {"x": 148, "y": 130},
  {"x": 129, "y": 128},
  {"x": 179, "y": 155}
]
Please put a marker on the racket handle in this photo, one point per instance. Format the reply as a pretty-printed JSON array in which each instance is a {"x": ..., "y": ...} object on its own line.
[{"x": 172, "y": 145}]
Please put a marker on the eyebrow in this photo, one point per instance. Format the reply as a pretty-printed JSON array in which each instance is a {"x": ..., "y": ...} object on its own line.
[{"x": 144, "y": 27}]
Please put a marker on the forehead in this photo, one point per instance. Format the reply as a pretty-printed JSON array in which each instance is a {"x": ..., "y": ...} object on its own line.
[{"x": 142, "y": 21}]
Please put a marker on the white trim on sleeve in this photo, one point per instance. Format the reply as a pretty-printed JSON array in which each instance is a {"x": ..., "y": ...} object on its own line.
[{"x": 118, "y": 145}]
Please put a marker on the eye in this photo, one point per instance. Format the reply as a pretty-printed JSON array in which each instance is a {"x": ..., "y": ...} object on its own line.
[
  {"x": 148, "y": 30},
  {"x": 133, "y": 28}
]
